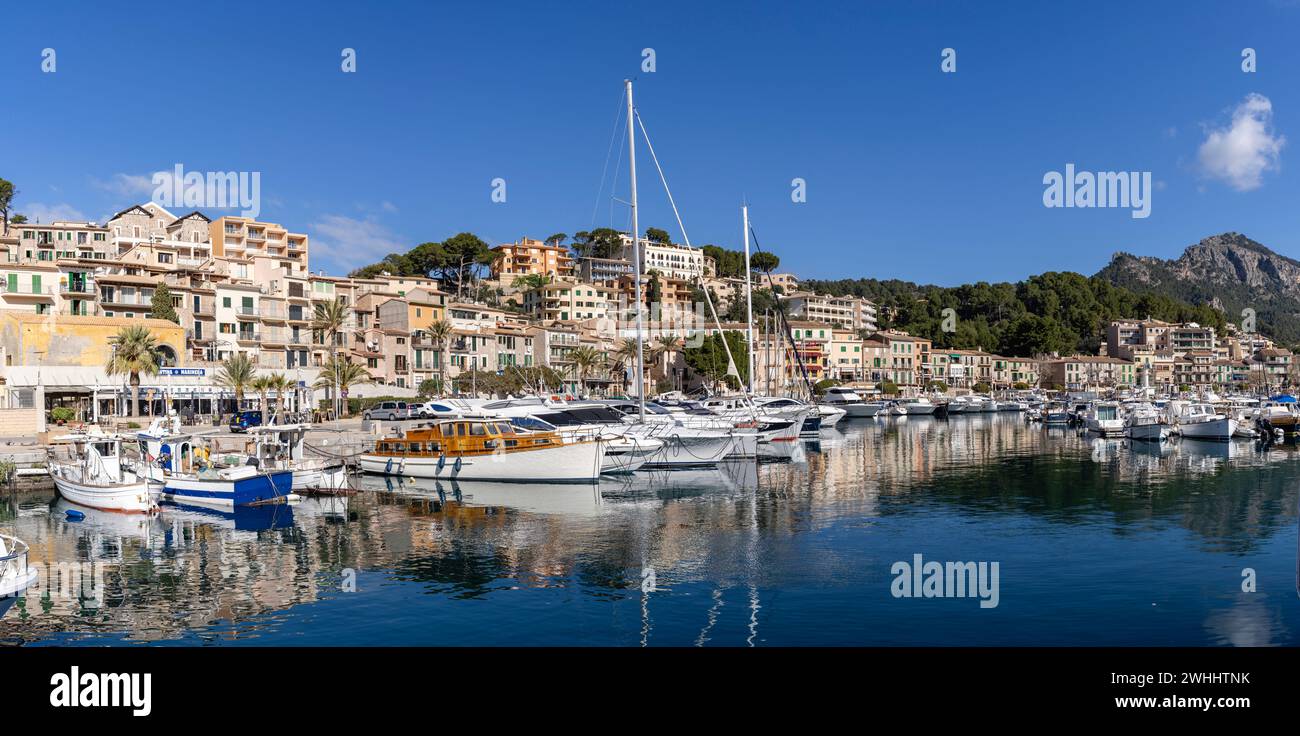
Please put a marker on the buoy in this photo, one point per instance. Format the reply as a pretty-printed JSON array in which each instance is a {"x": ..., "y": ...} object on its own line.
[{"x": 75, "y": 515}]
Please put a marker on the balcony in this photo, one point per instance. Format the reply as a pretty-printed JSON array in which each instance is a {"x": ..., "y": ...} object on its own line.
[
  {"x": 245, "y": 313},
  {"x": 40, "y": 292},
  {"x": 207, "y": 309},
  {"x": 274, "y": 337},
  {"x": 273, "y": 315},
  {"x": 77, "y": 287},
  {"x": 246, "y": 338}
]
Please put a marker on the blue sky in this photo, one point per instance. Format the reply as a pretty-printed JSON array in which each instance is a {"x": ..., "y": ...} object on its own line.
[{"x": 911, "y": 173}]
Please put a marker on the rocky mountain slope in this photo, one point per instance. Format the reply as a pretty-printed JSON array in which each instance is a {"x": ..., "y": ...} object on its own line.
[{"x": 1230, "y": 272}]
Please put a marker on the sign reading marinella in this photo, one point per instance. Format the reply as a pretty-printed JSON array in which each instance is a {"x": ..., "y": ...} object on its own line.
[{"x": 182, "y": 371}]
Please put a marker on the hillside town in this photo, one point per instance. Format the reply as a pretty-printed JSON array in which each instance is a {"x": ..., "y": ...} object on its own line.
[{"x": 239, "y": 286}]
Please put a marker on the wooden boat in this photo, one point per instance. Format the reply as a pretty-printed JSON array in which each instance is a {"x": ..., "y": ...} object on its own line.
[
  {"x": 484, "y": 449},
  {"x": 98, "y": 478}
]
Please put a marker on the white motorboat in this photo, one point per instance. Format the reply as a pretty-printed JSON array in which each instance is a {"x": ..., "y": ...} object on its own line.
[
  {"x": 1103, "y": 418},
  {"x": 1145, "y": 425},
  {"x": 851, "y": 402},
  {"x": 1201, "y": 421},
  {"x": 896, "y": 409},
  {"x": 919, "y": 406},
  {"x": 97, "y": 476}
]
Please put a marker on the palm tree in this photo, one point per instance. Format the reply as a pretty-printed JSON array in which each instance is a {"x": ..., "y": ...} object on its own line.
[
  {"x": 135, "y": 351},
  {"x": 343, "y": 372},
  {"x": 665, "y": 346},
  {"x": 281, "y": 384},
  {"x": 262, "y": 384},
  {"x": 330, "y": 318},
  {"x": 440, "y": 331},
  {"x": 530, "y": 281},
  {"x": 626, "y": 353},
  {"x": 584, "y": 359},
  {"x": 236, "y": 374}
]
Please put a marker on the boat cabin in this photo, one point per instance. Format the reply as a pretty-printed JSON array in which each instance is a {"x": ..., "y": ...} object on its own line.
[{"x": 465, "y": 437}]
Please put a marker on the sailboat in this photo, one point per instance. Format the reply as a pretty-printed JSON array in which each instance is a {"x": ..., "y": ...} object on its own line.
[{"x": 683, "y": 445}]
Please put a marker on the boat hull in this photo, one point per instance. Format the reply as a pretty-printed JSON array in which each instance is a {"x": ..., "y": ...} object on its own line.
[
  {"x": 228, "y": 492},
  {"x": 1148, "y": 432},
  {"x": 132, "y": 497},
  {"x": 577, "y": 462},
  {"x": 1216, "y": 429}
]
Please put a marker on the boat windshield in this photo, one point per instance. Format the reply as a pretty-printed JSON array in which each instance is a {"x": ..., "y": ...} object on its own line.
[{"x": 532, "y": 424}]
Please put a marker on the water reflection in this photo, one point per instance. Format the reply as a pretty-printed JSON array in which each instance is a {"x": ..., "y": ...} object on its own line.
[{"x": 791, "y": 552}]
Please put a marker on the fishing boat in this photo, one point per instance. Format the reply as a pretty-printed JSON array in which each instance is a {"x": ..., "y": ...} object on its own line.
[
  {"x": 190, "y": 472},
  {"x": 484, "y": 449},
  {"x": 98, "y": 478},
  {"x": 282, "y": 447},
  {"x": 851, "y": 402},
  {"x": 1201, "y": 421}
]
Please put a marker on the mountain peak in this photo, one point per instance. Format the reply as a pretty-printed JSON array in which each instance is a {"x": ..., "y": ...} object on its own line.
[{"x": 1228, "y": 271}]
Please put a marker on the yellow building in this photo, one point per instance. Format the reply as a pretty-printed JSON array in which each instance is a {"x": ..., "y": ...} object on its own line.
[{"x": 29, "y": 339}]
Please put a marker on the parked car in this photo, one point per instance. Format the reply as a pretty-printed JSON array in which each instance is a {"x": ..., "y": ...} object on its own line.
[
  {"x": 242, "y": 420},
  {"x": 390, "y": 410},
  {"x": 429, "y": 409}
]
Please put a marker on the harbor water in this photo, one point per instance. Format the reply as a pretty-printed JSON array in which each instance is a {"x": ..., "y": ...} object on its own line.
[{"x": 1095, "y": 542}]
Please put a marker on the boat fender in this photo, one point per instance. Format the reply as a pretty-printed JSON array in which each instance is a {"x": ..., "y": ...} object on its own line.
[
  {"x": 456, "y": 467},
  {"x": 74, "y": 515},
  {"x": 388, "y": 467},
  {"x": 442, "y": 462}
]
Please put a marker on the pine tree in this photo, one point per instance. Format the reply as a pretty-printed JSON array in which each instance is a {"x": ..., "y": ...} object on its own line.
[{"x": 161, "y": 305}]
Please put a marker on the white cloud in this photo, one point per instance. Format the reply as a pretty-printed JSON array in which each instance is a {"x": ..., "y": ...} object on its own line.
[
  {"x": 350, "y": 243},
  {"x": 1240, "y": 153},
  {"x": 387, "y": 206},
  {"x": 129, "y": 185},
  {"x": 47, "y": 213}
]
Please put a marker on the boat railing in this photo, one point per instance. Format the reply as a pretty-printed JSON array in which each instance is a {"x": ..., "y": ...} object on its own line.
[{"x": 13, "y": 558}]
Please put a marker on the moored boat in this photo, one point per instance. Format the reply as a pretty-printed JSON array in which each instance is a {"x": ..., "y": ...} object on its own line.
[
  {"x": 485, "y": 449},
  {"x": 1201, "y": 421},
  {"x": 98, "y": 477}
]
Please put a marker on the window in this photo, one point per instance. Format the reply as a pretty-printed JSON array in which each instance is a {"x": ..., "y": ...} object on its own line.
[{"x": 225, "y": 302}]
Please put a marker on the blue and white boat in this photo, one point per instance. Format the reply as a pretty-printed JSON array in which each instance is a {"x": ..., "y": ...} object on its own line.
[{"x": 191, "y": 474}]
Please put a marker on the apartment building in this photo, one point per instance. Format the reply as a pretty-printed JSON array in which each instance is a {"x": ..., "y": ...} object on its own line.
[
  {"x": 671, "y": 260},
  {"x": 568, "y": 300},
  {"x": 849, "y": 312},
  {"x": 244, "y": 238},
  {"x": 907, "y": 361},
  {"x": 1127, "y": 338},
  {"x": 1087, "y": 372},
  {"x": 604, "y": 271},
  {"x": 528, "y": 257}
]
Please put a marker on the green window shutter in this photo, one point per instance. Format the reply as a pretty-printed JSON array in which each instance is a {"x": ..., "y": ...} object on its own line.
[
  {"x": 36, "y": 283},
  {"x": 13, "y": 282}
]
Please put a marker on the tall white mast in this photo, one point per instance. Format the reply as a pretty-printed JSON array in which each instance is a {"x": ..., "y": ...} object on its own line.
[
  {"x": 749, "y": 300},
  {"x": 636, "y": 254}
]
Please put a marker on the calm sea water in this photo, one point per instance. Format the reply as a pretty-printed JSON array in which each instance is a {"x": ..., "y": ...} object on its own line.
[{"x": 1098, "y": 542}]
